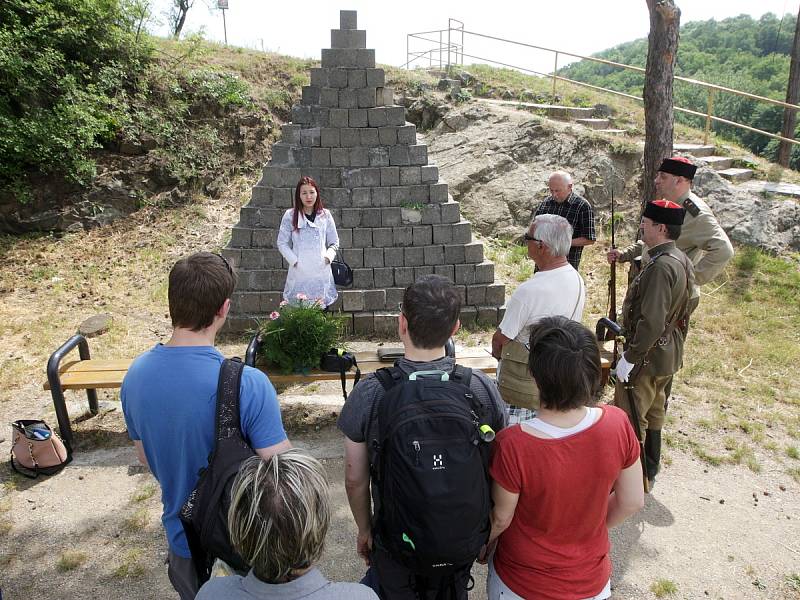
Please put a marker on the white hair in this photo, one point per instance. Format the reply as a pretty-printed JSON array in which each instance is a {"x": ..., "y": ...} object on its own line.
[{"x": 555, "y": 232}]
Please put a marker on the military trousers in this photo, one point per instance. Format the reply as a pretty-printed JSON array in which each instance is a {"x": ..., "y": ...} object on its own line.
[{"x": 649, "y": 394}]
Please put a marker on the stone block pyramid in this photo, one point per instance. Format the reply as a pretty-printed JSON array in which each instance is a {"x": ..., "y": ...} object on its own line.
[{"x": 395, "y": 218}]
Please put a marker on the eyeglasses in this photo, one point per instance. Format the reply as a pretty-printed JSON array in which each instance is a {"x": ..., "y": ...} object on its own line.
[
  {"x": 224, "y": 260},
  {"x": 529, "y": 238}
]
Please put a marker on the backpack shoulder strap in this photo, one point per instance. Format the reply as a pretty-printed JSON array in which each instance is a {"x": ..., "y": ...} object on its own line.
[
  {"x": 227, "y": 421},
  {"x": 462, "y": 375},
  {"x": 389, "y": 377}
]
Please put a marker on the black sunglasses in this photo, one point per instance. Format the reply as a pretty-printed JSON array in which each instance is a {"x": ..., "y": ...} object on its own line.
[
  {"x": 529, "y": 238},
  {"x": 224, "y": 260}
]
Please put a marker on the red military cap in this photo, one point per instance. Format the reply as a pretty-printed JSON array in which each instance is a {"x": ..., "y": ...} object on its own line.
[{"x": 664, "y": 212}]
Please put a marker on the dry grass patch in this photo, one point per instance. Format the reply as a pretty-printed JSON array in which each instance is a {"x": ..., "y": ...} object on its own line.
[
  {"x": 145, "y": 492},
  {"x": 130, "y": 565},
  {"x": 70, "y": 559}
]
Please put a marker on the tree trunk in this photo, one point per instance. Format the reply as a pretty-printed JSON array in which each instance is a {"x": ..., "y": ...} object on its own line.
[
  {"x": 180, "y": 9},
  {"x": 662, "y": 50},
  {"x": 792, "y": 95}
]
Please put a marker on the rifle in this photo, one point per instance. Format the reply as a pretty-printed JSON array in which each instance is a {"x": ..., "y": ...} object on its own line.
[{"x": 612, "y": 280}]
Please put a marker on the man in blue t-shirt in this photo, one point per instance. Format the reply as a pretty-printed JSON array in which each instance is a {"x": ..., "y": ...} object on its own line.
[{"x": 169, "y": 399}]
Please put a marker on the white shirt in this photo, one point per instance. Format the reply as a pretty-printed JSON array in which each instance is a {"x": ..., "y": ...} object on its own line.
[{"x": 558, "y": 291}]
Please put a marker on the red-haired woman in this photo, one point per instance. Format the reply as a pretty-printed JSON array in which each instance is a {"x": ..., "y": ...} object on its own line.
[{"x": 308, "y": 241}]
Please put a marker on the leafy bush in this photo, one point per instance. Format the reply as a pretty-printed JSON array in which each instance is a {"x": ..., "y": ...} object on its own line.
[{"x": 295, "y": 337}]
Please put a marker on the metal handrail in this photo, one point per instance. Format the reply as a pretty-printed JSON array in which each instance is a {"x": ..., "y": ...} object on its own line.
[{"x": 711, "y": 88}]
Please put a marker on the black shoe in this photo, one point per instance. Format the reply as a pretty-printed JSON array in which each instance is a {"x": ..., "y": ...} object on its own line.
[{"x": 651, "y": 483}]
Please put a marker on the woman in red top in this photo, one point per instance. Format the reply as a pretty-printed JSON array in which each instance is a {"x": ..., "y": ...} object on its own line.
[{"x": 562, "y": 478}]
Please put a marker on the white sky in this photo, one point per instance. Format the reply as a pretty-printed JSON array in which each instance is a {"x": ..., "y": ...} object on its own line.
[{"x": 302, "y": 27}]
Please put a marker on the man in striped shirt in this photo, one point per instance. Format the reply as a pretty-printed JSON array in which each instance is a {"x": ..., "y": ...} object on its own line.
[{"x": 564, "y": 202}]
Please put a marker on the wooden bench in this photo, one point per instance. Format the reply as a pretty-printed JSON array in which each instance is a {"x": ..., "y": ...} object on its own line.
[{"x": 92, "y": 374}]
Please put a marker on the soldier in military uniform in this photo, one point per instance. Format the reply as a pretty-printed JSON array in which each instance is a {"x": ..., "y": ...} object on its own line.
[
  {"x": 655, "y": 318},
  {"x": 702, "y": 239}
]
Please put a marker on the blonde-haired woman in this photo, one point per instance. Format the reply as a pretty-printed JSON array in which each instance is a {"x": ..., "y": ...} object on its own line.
[{"x": 279, "y": 515}]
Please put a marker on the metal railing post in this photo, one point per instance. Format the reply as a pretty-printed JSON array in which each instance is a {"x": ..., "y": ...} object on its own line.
[
  {"x": 555, "y": 70},
  {"x": 709, "y": 110},
  {"x": 448, "y": 46},
  {"x": 440, "y": 50},
  {"x": 408, "y": 52}
]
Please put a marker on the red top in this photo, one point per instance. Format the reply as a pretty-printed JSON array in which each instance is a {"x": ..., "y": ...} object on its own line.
[{"x": 557, "y": 544}]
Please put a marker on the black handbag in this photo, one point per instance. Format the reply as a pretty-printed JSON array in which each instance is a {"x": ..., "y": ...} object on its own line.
[
  {"x": 338, "y": 360},
  {"x": 342, "y": 273}
]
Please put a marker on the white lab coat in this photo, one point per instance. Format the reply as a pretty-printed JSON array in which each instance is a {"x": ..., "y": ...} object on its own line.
[{"x": 305, "y": 249}]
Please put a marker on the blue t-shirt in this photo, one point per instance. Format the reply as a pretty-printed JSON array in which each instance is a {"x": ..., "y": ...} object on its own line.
[{"x": 169, "y": 398}]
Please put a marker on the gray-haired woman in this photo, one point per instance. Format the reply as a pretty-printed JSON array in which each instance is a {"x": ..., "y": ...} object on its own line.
[{"x": 279, "y": 515}]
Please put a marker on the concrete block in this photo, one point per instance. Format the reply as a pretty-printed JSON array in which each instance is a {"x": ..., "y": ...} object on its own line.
[
  {"x": 361, "y": 197},
  {"x": 419, "y": 194},
  {"x": 422, "y": 272},
  {"x": 406, "y": 134},
  {"x": 374, "y": 299},
  {"x": 320, "y": 116},
  {"x": 375, "y": 77},
  {"x": 338, "y": 117},
  {"x": 319, "y": 77},
  {"x": 337, "y": 305},
  {"x": 383, "y": 277},
  {"x": 394, "y": 296},
  {"x": 386, "y": 323},
  {"x": 445, "y": 271},
  {"x": 465, "y": 274},
  {"x": 283, "y": 197},
  {"x": 271, "y": 176},
  {"x": 371, "y": 217},
  {"x": 429, "y": 174},
  {"x": 396, "y": 115},
  {"x": 310, "y": 94},
  {"x": 363, "y": 322},
  {"x": 377, "y": 117},
  {"x": 336, "y": 213},
  {"x": 329, "y": 97},
  {"x": 337, "y": 78},
  {"x": 382, "y": 237},
  {"x": 348, "y": 19},
  {"x": 249, "y": 259},
  {"x": 272, "y": 259},
  {"x": 461, "y": 290},
  {"x": 398, "y": 155},
  {"x": 393, "y": 257},
  {"x": 462, "y": 232},
  {"x": 290, "y": 134},
  {"x": 390, "y": 217},
  {"x": 484, "y": 272},
  {"x": 357, "y": 117},
  {"x": 359, "y": 156},
  {"x": 352, "y": 300},
  {"x": 352, "y": 177},
  {"x": 330, "y": 177},
  {"x": 362, "y": 278},
  {"x": 329, "y": 137},
  {"x": 356, "y": 79},
  {"x": 495, "y": 294},
  {"x": 266, "y": 280},
  {"x": 369, "y": 137},
  {"x": 390, "y": 176},
  {"x": 348, "y": 38},
  {"x": 443, "y": 234},
  {"x": 476, "y": 294},
  {"x": 340, "y": 57},
  {"x": 378, "y": 157},
  {"x": 366, "y": 97},
  {"x": 487, "y": 315},
  {"x": 402, "y": 236},
  {"x": 336, "y": 197},
  {"x": 348, "y": 137},
  {"x": 372, "y": 176},
  {"x": 409, "y": 175},
  {"x": 247, "y": 302},
  {"x": 373, "y": 257},
  {"x": 403, "y": 276},
  {"x": 234, "y": 256},
  {"x": 346, "y": 320},
  {"x": 468, "y": 316},
  {"x": 301, "y": 115},
  {"x": 387, "y": 136},
  {"x": 454, "y": 254},
  {"x": 320, "y": 157},
  {"x": 353, "y": 257},
  {"x": 345, "y": 238},
  {"x": 311, "y": 137},
  {"x": 362, "y": 238},
  {"x": 451, "y": 212},
  {"x": 418, "y": 154},
  {"x": 381, "y": 196},
  {"x": 340, "y": 157},
  {"x": 473, "y": 252},
  {"x": 413, "y": 256},
  {"x": 348, "y": 98},
  {"x": 422, "y": 235},
  {"x": 384, "y": 96},
  {"x": 400, "y": 195},
  {"x": 270, "y": 301},
  {"x": 431, "y": 214},
  {"x": 282, "y": 155},
  {"x": 434, "y": 255},
  {"x": 365, "y": 58},
  {"x": 351, "y": 217}
]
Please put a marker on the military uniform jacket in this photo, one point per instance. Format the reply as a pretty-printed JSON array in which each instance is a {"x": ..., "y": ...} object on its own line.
[
  {"x": 654, "y": 299},
  {"x": 702, "y": 239}
]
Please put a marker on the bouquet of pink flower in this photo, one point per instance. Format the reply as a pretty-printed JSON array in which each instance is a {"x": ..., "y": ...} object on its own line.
[{"x": 295, "y": 336}]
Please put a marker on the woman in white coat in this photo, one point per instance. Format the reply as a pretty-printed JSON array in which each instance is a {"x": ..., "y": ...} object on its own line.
[{"x": 308, "y": 241}]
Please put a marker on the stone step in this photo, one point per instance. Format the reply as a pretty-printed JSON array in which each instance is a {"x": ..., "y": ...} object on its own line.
[
  {"x": 736, "y": 175},
  {"x": 718, "y": 163},
  {"x": 601, "y": 124},
  {"x": 551, "y": 110},
  {"x": 696, "y": 150},
  {"x": 614, "y": 131},
  {"x": 791, "y": 190}
]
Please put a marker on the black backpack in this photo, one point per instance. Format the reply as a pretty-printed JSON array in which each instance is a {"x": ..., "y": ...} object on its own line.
[
  {"x": 205, "y": 513},
  {"x": 431, "y": 466}
]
